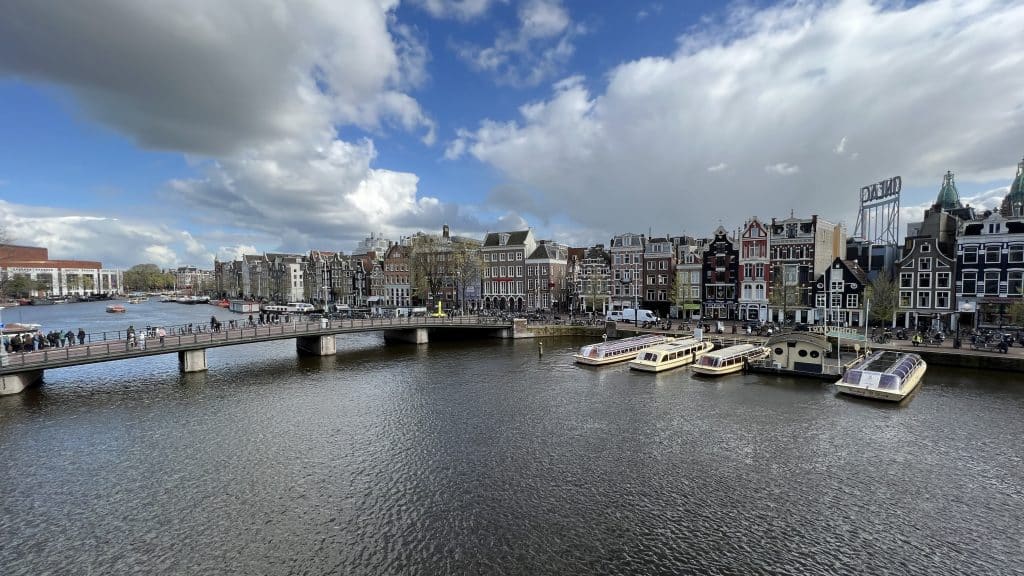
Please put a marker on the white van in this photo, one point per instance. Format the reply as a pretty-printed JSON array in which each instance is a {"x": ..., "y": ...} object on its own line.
[
  {"x": 613, "y": 316},
  {"x": 638, "y": 316}
]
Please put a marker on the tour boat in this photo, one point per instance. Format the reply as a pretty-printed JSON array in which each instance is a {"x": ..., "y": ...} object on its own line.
[
  {"x": 617, "y": 350},
  {"x": 670, "y": 355},
  {"x": 135, "y": 301},
  {"x": 885, "y": 375},
  {"x": 729, "y": 360},
  {"x": 115, "y": 308}
]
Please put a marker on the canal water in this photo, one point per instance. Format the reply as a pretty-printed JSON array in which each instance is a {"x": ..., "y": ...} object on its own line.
[{"x": 488, "y": 458}]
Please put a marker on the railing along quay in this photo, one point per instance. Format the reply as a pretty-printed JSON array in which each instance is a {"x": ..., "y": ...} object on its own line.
[{"x": 242, "y": 332}]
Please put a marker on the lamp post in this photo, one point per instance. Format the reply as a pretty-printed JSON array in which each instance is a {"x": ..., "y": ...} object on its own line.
[{"x": 3, "y": 348}]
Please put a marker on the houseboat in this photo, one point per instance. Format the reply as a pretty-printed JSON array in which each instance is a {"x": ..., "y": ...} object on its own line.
[
  {"x": 670, "y": 355},
  {"x": 618, "y": 350},
  {"x": 244, "y": 306},
  {"x": 808, "y": 354},
  {"x": 885, "y": 375},
  {"x": 115, "y": 308},
  {"x": 729, "y": 360}
]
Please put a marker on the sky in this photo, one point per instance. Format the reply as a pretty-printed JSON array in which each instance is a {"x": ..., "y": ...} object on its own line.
[{"x": 177, "y": 132}]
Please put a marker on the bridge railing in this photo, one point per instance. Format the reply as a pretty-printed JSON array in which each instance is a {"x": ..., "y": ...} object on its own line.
[{"x": 189, "y": 336}]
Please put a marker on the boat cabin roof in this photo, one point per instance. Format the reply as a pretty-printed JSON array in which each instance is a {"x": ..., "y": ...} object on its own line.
[
  {"x": 614, "y": 346},
  {"x": 884, "y": 369}
]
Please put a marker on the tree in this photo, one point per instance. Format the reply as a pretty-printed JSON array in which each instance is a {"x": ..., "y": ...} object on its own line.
[
  {"x": 466, "y": 266},
  {"x": 43, "y": 286},
  {"x": 428, "y": 266},
  {"x": 88, "y": 283},
  {"x": 883, "y": 293},
  {"x": 19, "y": 286},
  {"x": 145, "y": 277}
]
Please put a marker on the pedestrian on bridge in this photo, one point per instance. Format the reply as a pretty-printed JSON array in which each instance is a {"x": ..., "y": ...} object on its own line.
[
  {"x": 81, "y": 336},
  {"x": 142, "y": 339}
]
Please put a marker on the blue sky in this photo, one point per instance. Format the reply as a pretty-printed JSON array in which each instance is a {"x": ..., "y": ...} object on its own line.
[{"x": 176, "y": 132}]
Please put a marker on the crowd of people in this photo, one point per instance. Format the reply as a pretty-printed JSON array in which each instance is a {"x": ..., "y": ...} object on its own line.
[{"x": 31, "y": 341}]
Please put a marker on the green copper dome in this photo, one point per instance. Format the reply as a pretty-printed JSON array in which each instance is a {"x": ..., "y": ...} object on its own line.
[
  {"x": 1013, "y": 204},
  {"x": 949, "y": 198}
]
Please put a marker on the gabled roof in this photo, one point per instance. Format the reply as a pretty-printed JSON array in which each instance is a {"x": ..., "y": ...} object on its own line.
[
  {"x": 547, "y": 251},
  {"x": 518, "y": 238}
]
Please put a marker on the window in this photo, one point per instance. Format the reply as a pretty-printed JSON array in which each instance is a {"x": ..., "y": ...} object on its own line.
[
  {"x": 992, "y": 282},
  {"x": 837, "y": 300},
  {"x": 906, "y": 299},
  {"x": 851, "y": 300},
  {"x": 906, "y": 279},
  {"x": 651, "y": 265},
  {"x": 1016, "y": 254},
  {"x": 519, "y": 256},
  {"x": 925, "y": 248},
  {"x": 992, "y": 253},
  {"x": 836, "y": 285},
  {"x": 924, "y": 280},
  {"x": 748, "y": 270},
  {"x": 502, "y": 256},
  {"x": 971, "y": 254},
  {"x": 819, "y": 300},
  {"x": 924, "y": 299},
  {"x": 1015, "y": 286},
  {"x": 942, "y": 279},
  {"x": 970, "y": 280},
  {"x": 942, "y": 300},
  {"x": 924, "y": 264}
]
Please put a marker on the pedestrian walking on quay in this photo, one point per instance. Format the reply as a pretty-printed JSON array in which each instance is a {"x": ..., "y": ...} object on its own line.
[
  {"x": 71, "y": 338},
  {"x": 81, "y": 336},
  {"x": 142, "y": 340},
  {"x": 162, "y": 334}
]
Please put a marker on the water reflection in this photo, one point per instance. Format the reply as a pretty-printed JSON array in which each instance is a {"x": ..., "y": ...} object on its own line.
[{"x": 487, "y": 458}]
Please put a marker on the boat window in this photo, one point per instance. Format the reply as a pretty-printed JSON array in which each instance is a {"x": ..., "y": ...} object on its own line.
[
  {"x": 815, "y": 354},
  {"x": 779, "y": 351},
  {"x": 802, "y": 353},
  {"x": 852, "y": 377},
  {"x": 889, "y": 382}
]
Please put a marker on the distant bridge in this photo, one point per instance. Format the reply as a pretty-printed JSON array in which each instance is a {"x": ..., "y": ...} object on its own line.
[{"x": 317, "y": 338}]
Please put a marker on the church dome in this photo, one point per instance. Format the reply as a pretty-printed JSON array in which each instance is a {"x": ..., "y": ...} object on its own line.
[
  {"x": 1013, "y": 204},
  {"x": 949, "y": 197}
]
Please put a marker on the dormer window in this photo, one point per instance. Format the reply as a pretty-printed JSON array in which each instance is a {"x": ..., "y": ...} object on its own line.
[
  {"x": 926, "y": 248},
  {"x": 503, "y": 239}
]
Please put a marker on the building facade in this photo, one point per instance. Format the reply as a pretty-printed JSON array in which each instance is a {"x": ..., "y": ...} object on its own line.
[
  {"x": 504, "y": 278},
  {"x": 801, "y": 249},
  {"x": 627, "y": 254},
  {"x": 55, "y": 278},
  {"x": 755, "y": 271},
  {"x": 659, "y": 272},
  {"x": 545, "y": 277},
  {"x": 839, "y": 294},
  {"x": 721, "y": 277}
]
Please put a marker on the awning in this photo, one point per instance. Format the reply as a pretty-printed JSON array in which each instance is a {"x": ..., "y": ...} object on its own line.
[{"x": 374, "y": 299}]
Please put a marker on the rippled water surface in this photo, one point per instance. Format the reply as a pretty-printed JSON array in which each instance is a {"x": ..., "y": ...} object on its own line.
[{"x": 486, "y": 458}]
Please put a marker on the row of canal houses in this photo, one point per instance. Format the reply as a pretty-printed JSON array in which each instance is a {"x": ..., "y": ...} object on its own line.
[{"x": 956, "y": 266}]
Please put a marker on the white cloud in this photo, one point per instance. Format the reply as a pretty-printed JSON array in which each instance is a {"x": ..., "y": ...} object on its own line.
[
  {"x": 460, "y": 9},
  {"x": 782, "y": 169},
  {"x": 255, "y": 92},
  {"x": 718, "y": 167},
  {"x": 216, "y": 77},
  {"x": 538, "y": 49},
  {"x": 841, "y": 147},
  {"x": 785, "y": 82}
]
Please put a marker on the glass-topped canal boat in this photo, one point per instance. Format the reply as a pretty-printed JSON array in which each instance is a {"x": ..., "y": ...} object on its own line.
[
  {"x": 885, "y": 375},
  {"x": 669, "y": 355},
  {"x": 729, "y": 360},
  {"x": 618, "y": 350}
]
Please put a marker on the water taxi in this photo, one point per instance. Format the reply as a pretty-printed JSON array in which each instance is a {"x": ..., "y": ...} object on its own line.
[
  {"x": 670, "y": 355},
  {"x": 885, "y": 375},
  {"x": 729, "y": 360},
  {"x": 115, "y": 308},
  {"x": 617, "y": 350}
]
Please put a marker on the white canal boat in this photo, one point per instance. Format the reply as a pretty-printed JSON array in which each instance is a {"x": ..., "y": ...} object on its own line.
[
  {"x": 617, "y": 350},
  {"x": 729, "y": 360},
  {"x": 670, "y": 355},
  {"x": 885, "y": 375}
]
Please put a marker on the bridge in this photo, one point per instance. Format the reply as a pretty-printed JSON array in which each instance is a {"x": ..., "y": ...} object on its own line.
[{"x": 19, "y": 370}]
